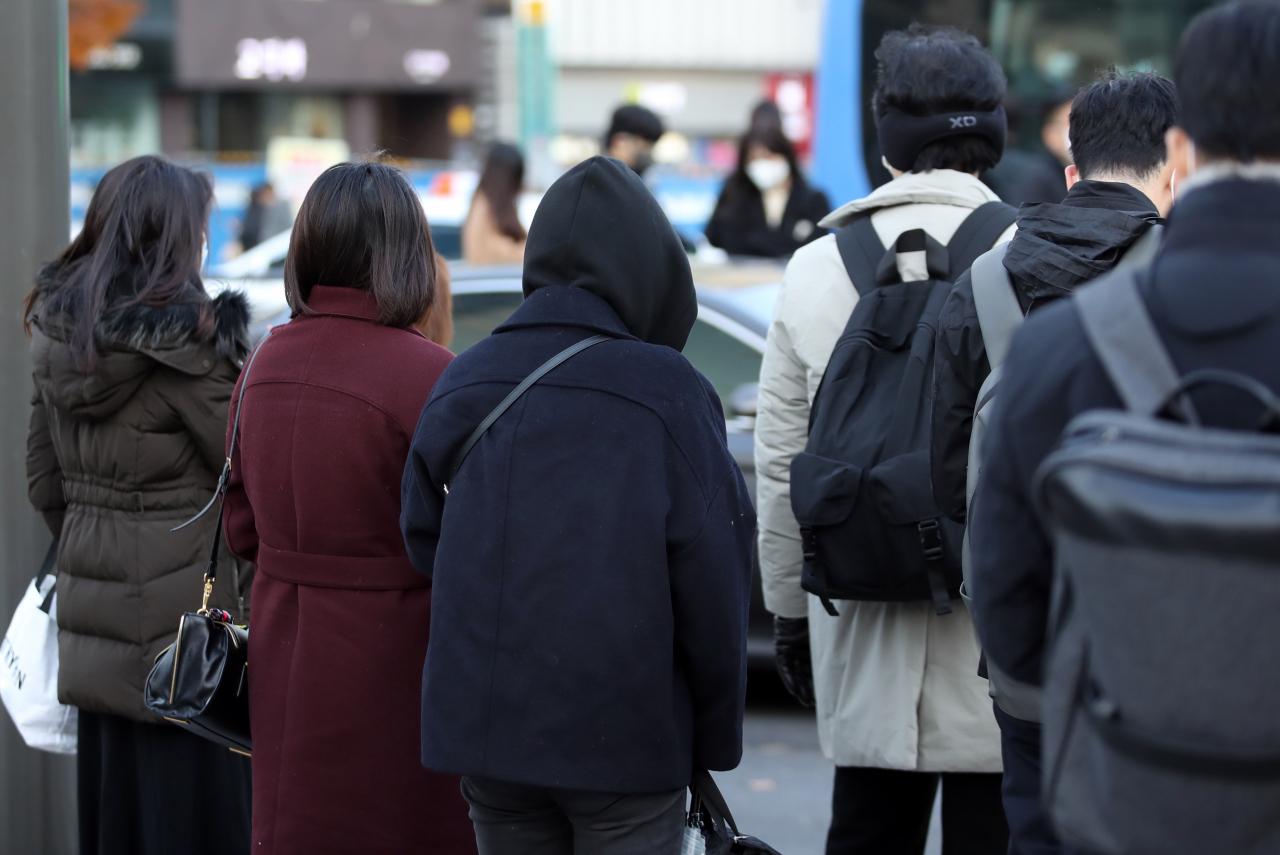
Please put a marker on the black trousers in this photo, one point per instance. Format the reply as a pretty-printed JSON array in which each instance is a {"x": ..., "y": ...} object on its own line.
[
  {"x": 154, "y": 789},
  {"x": 521, "y": 819},
  {"x": 887, "y": 812},
  {"x": 1029, "y": 831}
]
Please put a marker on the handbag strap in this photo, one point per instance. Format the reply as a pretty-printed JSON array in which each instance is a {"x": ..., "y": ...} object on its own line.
[
  {"x": 514, "y": 396},
  {"x": 705, "y": 791},
  {"x": 224, "y": 481}
]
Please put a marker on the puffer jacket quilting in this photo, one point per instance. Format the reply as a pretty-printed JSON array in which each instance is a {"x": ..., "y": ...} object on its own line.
[{"x": 117, "y": 458}]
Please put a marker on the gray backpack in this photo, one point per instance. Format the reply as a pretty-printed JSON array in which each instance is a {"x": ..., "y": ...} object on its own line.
[
  {"x": 1162, "y": 694},
  {"x": 999, "y": 316}
]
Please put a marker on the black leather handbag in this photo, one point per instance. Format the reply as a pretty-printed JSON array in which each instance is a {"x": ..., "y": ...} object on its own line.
[
  {"x": 201, "y": 681},
  {"x": 709, "y": 819}
]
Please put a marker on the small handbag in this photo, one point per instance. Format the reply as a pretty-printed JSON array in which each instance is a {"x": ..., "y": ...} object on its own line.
[
  {"x": 710, "y": 829},
  {"x": 201, "y": 681}
]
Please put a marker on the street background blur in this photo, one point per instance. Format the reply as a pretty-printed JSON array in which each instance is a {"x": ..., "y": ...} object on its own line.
[{"x": 275, "y": 91}]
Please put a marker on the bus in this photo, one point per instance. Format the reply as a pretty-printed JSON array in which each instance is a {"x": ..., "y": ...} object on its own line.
[{"x": 1045, "y": 46}]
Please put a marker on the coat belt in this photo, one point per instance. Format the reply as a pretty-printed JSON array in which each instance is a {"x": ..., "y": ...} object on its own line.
[
  {"x": 180, "y": 500},
  {"x": 339, "y": 571}
]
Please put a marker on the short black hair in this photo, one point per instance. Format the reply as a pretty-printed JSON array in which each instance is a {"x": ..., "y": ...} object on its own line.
[
  {"x": 1118, "y": 125},
  {"x": 927, "y": 70},
  {"x": 361, "y": 226},
  {"x": 1228, "y": 77},
  {"x": 635, "y": 120}
]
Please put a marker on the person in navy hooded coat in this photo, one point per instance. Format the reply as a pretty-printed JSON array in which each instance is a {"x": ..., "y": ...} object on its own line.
[{"x": 591, "y": 561}]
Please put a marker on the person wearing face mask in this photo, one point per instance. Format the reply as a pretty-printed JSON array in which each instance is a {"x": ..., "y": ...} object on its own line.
[
  {"x": 766, "y": 208},
  {"x": 633, "y": 131}
]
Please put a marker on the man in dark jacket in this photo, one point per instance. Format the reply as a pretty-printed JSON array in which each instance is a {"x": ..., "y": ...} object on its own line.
[
  {"x": 1120, "y": 186},
  {"x": 591, "y": 560},
  {"x": 1209, "y": 292}
]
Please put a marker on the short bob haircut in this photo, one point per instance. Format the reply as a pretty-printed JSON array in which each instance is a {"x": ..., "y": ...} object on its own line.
[
  {"x": 927, "y": 70},
  {"x": 362, "y": 226},
  {"x": 1228, "y": 79}
]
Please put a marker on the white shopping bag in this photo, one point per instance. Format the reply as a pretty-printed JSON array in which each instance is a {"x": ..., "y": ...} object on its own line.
[{"x": 29, "y": 669}]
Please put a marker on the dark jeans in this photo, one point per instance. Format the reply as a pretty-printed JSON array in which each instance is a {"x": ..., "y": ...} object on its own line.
[
  {"x": 155, "y": 789},
  {"x": 520, "y": 819},
  {"x": 887, "y": 812},
  {"x": 1029, "y": 831}
]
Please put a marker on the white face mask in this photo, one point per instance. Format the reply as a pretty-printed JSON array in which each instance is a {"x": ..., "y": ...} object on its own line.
[{"x": 768, "y": 172}]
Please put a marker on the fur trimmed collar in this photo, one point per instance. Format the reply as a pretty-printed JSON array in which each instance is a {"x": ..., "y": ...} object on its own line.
[{"x": 156, "y": 330}]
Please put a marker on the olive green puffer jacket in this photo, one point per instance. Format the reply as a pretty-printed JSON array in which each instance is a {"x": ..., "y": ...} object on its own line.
[{"x": 117, "y": 457}]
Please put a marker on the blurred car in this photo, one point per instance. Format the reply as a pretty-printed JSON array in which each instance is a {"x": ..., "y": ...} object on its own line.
[{"x": 726, "y": 345}]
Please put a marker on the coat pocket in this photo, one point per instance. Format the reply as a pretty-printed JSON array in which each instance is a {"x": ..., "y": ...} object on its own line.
[
  {"x": 823, "y": 491},
  {"x": 902, "y": 488}
]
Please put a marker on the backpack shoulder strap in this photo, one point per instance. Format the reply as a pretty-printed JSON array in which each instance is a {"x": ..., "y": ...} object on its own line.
[
  {"x": 1122, "y": 334},
  {"x": 861, "y": 250},
  {"x": 999, "y": 312},
  {"x": 1143, "y": 250},
  {"x": 977, "y": 233}
]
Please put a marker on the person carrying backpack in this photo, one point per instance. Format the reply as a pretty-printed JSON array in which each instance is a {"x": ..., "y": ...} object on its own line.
[
  {"x": 844, "y": 497},
  {"x": 1120, "y": 189},
  {"x": 1123, "y": 571}
]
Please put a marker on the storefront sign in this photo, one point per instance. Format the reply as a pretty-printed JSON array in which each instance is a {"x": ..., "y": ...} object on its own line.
[{"x": 347, "y": 44}]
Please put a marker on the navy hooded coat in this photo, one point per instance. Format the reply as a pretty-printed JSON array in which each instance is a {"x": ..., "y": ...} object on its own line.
[{"x": 591, "y": 563}]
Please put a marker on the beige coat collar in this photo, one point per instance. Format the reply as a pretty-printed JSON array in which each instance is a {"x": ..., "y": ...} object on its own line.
[{"x": 936, "y": 187}]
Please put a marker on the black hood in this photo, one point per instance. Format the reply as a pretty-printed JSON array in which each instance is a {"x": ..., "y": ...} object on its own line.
[
  {"x": 1060, "y": 246},
  {"x": 600, "y": 229}
]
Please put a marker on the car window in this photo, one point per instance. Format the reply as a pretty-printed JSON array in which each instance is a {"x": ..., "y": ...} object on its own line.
[
  {"x": 476, "y": 315},
  {"x": 725, "y": 361}
]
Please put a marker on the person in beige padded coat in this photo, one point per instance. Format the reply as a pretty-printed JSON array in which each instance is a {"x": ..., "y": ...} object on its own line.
[{"x": 896, "y": 686}]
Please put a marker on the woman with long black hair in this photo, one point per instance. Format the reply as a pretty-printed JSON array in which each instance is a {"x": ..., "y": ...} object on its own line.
[
  {"x": 492, "y": 233},
  {"x": 134, "y": 367},
  {"x": 766, "y": 207}
]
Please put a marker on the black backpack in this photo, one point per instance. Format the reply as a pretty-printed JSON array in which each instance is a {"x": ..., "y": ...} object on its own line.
[{"x": 862, "y": 490}]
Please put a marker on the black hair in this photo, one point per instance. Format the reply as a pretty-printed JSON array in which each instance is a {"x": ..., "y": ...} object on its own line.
[
  {"x": 927, "y": 70},
  {"x": 1118, "y": 125},
  {"x": 1227, "y": 72},
  {"x": 635, "y": 120},
  {"x": 738, "y": 186},
  {"x": 501, "y": 183},
  {"x": 142, "y": 241},
  {"x": 361, "y": 226}
]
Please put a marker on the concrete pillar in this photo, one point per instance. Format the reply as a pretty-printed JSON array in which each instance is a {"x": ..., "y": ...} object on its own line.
[{"x": 37, "y": 790}]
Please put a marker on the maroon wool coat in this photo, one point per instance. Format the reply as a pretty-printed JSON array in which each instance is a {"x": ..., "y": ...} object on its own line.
[{"x": 340, "y": 617}]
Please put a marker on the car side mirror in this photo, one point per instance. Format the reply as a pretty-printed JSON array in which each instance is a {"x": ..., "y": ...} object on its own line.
[{"x": 743, "y": 400}]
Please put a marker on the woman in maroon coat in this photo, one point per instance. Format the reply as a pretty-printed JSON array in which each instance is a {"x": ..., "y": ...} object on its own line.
[{"x": 340, "y": 616}]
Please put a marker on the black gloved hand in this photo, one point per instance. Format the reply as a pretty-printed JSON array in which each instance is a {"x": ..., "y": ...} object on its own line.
[{"x": 795, "y": 663}]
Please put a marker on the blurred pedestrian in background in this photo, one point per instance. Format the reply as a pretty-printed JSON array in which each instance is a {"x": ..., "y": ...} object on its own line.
[
  {"x": 265, "y": 217},
  {"x": 591, "y": 558},
  {"x": 899, "y": 700},
  {"x": 341, "y": 622},
  {"x": 1044, "y": 179},
  {"x": 134, "y": 366},
  {"x": 632, "y": 133},
  {"x": 492, "y": 233},
  {"x": 766, "y": 207},
  {"x": 1120, "y": 190}
]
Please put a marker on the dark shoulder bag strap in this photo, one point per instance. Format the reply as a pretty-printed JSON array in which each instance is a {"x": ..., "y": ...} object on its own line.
[
  {"x": 224, "y": 481},
  {"x": 515, "y": 396},
  {"x": 978, "y": 233},
  {"x": 861, "y": 250}
]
